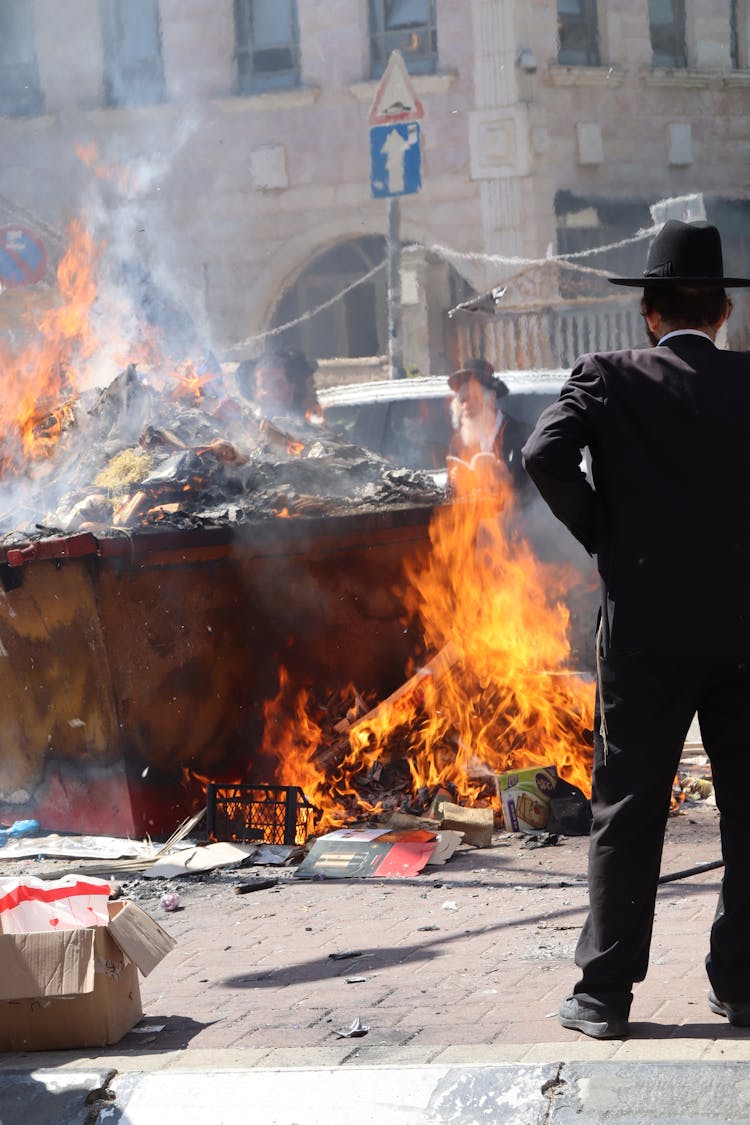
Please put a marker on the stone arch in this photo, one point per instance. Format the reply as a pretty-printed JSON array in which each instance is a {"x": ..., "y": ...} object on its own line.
[
  {"x": 313, "y": 270},
  {"x": 353, "y": 326}
]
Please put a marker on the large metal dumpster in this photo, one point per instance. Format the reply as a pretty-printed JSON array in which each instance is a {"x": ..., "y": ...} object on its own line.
[{"x": 129, "y": 660}]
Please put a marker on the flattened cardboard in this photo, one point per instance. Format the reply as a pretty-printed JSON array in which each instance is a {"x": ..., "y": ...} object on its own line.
[
  {"x": 205, "y": 857},
  {"x": 445, "y": 845},
  {"x": 364, "y": 853}
]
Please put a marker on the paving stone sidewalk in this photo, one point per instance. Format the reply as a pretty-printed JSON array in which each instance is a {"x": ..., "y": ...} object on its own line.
[{"x": 465, "y": 963}]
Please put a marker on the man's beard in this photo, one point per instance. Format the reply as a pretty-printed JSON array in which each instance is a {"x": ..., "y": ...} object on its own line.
[{"x": 476, "y": 431}]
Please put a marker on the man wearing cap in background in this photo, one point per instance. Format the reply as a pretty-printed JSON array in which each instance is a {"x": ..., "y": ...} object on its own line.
[
  {"x": 481, "y": 426},
  {"x": 668, "y": 519}
]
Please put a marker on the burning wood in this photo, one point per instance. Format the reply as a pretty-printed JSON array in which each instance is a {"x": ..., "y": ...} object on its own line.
[
  {"x": 496, "y": 696},
  {"x": 405, "y": 699}
]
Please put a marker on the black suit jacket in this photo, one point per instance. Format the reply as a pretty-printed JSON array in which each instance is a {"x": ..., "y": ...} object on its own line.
[{"x": 668, "y": 431}]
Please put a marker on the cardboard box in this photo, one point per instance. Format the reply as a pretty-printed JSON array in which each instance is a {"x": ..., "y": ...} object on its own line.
[
  {"x": 77, "y": 988},
  {"x": 477, "y": 824},
  {"x": 525, "y": 796}
]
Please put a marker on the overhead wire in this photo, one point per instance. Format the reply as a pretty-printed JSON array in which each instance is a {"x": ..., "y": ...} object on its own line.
[{"x": 448, "y": 253}]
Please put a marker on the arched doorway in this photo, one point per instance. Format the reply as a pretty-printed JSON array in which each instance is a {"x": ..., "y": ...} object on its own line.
[{"x": 354, "y": 325}]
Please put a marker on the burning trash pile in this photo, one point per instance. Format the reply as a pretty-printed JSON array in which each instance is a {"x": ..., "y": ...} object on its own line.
[
  {"x": 164, "y": 442},
  {"x": 490, "y": 690},
  {"x": 496, "y": 696},
  {"x": 137, "y": 457}
]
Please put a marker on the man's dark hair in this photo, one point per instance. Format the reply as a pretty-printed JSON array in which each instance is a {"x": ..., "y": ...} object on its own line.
[
  {"x": 297, "y": 368},
  {"x": 684, "y": 307}
]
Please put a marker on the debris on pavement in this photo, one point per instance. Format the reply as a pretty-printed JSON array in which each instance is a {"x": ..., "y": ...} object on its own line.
[
  {"x": 697, "y": 788},
  {"x": 275, "y": 855},
  {"x": 202, "y": 857},
  {"x": 255, "y": 885},
  {"x": 525, "y": 795},
  {"x": 18, "y": 828},
  {"x": 356, "y": 1031},
  {"x": 368, "y": 852},
  {"x": 171, "y": 901},
  {"x": 344, "y": 956},
  {"x": 477, "y": 824},
  {"x": 539, "y": 839}
]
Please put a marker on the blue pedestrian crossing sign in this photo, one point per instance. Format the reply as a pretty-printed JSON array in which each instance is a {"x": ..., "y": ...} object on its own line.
[{"x": 395, "y": 159}]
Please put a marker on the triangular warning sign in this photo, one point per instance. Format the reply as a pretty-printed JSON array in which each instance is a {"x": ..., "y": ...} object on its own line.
[{"x": 395, "y": 99}]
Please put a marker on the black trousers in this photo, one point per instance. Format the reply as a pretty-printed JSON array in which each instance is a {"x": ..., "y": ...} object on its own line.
[{"x": 648, "y": 701}]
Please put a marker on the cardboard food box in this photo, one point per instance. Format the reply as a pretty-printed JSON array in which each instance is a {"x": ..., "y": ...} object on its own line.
[
  {"x": 525, "y": 796},
  {"x": 77, "y": 988}
]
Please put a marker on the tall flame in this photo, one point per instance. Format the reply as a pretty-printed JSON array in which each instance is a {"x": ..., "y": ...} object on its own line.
[
  {"x": 44, "y": 374},
  {"x": 498, "y": 696},
  {"x": 509, "y": 694}
]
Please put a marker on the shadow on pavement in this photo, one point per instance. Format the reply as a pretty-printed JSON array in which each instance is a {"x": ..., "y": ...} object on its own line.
[
  {"x": 176, "y": 1033},
  {"x": 707, "y": 1031}
]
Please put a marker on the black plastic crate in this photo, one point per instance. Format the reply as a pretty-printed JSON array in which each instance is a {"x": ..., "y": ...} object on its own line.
[{"x": 271, "y": 814}]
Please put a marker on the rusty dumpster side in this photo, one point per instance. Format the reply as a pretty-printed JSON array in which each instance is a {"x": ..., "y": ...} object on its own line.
[{"x": 131, "y": 659}]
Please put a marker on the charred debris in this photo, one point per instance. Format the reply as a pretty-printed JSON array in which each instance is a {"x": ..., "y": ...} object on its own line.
[{"x": 136, "y": 456}]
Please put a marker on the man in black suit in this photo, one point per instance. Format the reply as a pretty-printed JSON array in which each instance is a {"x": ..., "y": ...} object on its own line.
[{"x": 668, "y": 519}]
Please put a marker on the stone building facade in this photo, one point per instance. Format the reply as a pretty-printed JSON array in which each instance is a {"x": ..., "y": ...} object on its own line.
[{"x": 232, "y": 157}]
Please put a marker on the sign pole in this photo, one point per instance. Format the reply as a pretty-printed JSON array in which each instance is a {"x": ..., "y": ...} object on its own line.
[
  {"x": 395, "y": 170},
  {"x": 395, "y": 354}
]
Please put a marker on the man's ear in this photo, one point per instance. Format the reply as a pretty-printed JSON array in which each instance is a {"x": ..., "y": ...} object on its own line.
[
  {"x": 653, "y": 319},
  {"x": 726, "y": 314}
]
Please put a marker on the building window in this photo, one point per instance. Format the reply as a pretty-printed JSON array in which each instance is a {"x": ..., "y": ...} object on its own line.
[
  {"x": 267, "y": 45},
  {"x": 133, "y": 66},
  {"x": 409, "y": 26},
  {"x": 20, "y": 95},
  {"x": 578, "y": 34},
  {"x": 667, "y": 23},
  {"x": 737, "y": 36}
]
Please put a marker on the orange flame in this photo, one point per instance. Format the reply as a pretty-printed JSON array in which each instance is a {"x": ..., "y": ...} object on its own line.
[
  {"x": 499, "y": 694},
  {"x": 510, "y": 695},
  {"x": 44, "y": 374},
  {"x": 189, "y": 383},
  {"x": 117, "y": 173}
]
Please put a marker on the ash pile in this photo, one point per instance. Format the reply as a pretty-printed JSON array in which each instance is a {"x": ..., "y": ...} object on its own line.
[{"x": 135, "y": 455}]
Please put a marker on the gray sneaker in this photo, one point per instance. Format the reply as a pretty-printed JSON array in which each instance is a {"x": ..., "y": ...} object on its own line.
[
  {"x": 737, "y": 1014},
  {"x": 594, "y": 1019}
]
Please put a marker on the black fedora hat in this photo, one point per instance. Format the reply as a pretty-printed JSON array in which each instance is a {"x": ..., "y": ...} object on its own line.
[
  {"x": 685, "y": 254},
  {"x": 483, "y": 372}
]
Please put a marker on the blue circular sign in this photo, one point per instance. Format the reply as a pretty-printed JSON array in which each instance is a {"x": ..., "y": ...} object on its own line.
[{"x": 22, "y": 257}]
